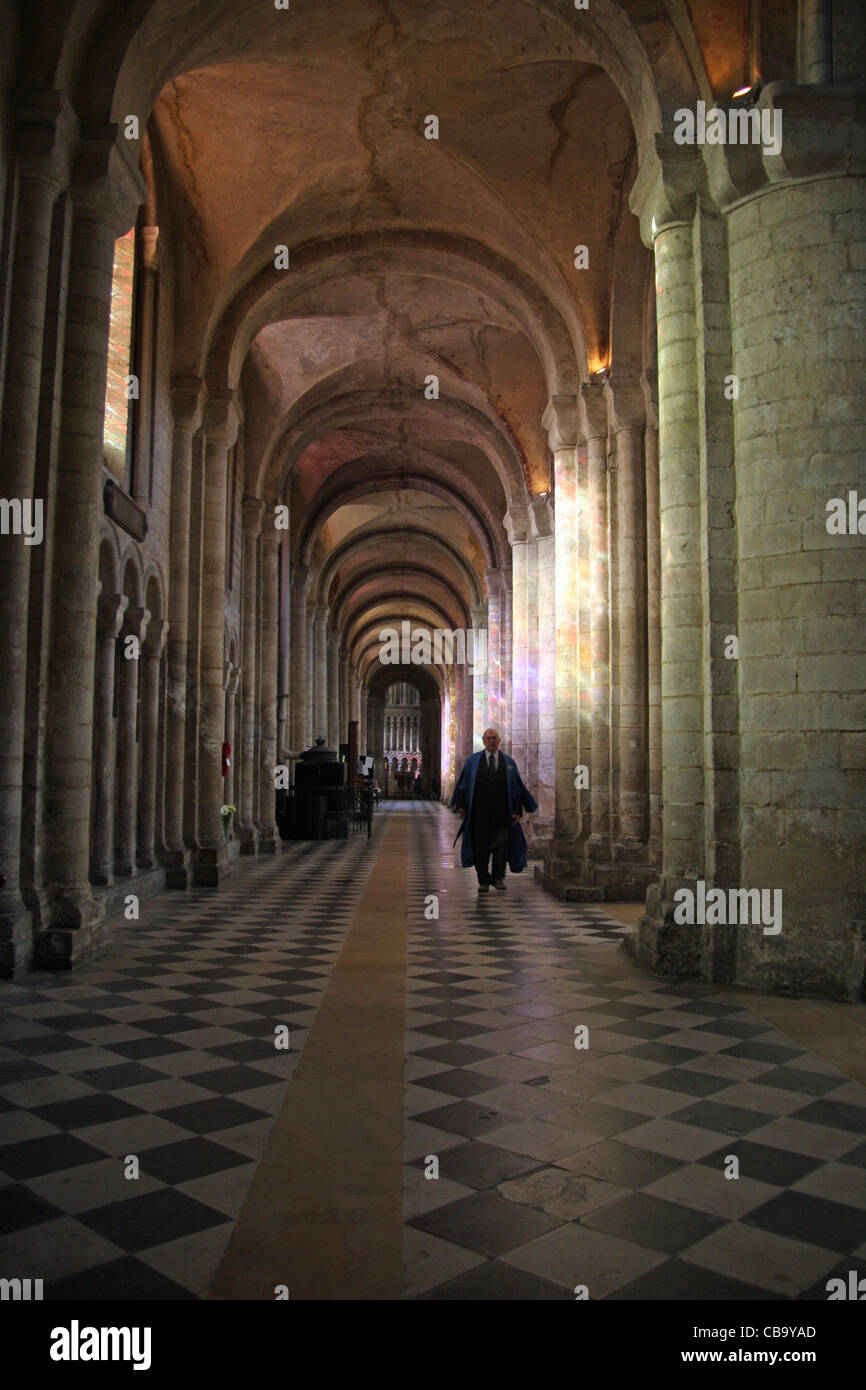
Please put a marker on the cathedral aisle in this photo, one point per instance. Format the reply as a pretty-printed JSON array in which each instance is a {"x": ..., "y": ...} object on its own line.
[{"x": 430, "y": 1031}]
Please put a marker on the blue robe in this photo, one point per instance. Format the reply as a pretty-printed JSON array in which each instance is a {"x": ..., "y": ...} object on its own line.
[{"x": 519, "y": 800}]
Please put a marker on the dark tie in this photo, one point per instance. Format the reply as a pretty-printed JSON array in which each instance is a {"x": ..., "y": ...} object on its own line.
[{"x": 491, "y": 764}]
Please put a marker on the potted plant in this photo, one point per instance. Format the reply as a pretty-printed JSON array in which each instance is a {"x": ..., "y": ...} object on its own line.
[{"x": 227, "y": 812}]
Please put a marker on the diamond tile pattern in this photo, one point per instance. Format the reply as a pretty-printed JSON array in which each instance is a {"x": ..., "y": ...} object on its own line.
[
  {"x": 644, "y": 1121},
  {"x": 609, "y": 1165},
  {"x": 163, "y": 1050}
]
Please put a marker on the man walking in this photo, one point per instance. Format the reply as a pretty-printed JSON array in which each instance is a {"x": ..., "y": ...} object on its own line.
[{"x": 493, "y": 797}]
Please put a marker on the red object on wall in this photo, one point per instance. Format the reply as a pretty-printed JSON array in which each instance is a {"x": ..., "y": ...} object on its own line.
[{"x": 227, "y": 752}]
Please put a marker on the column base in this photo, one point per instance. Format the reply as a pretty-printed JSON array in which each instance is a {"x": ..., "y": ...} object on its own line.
[
  {"x": 663, "y": 945},
  {"x": 62, "y": 948},
  {"x": 249, "y": 839},
  {"x": 177, "y": 864},
  {"x": 561, "y": 882},
  {"x": 16, "y": 934},
  {"x": 210, "y": 863},
  {"x": 268, "y": 841},
  {"x": 75, "y": 931},
  {"x": 572, "y": 871}
]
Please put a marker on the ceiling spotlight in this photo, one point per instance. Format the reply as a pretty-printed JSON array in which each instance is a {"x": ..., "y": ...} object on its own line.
[{"x": 742, "y": 91}]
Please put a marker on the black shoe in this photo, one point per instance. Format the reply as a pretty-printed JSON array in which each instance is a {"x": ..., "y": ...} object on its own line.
[
  {"x": 499, "y": 883},
  {"x": 484, "y": 887}
]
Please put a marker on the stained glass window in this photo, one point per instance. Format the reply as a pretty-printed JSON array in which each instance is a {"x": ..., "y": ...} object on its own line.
[{"x": 117, "y": 396}]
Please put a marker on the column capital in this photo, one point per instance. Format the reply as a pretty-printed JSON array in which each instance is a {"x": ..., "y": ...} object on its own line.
[
  {"x": 561, "y": 420},
  {"x": 625, "y": 402},
  {"x": 300, "y": 583},
  {"x": 150, "y": 248},
  {"x": 814, "y": 130},
  {"x": 222, "y": 418},
  {"x": 650, "y": 384},
  {"x": 154, "y": 642},
  {"x": 593, "y": 410},
  {"x": 107, "y": 184},
  {"x": 46, "y": 137},
  {"x": 135, "y": 622},
  {"x": 271, "y": 537},
  {"x": 516, "y": 523},
  {"x": 542, "y": 517},
  {"x": 493, "y": 581},
  {"x": 110, "y": 609},
  {"x": 666, "y": 188},
  {"x": 252, "y": 511},
  {"x": 188, "y": 397}
]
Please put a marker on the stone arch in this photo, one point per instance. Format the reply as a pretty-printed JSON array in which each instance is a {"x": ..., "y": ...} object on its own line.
[
  {"x": 341, "y": 491},
  {"x": 335, "y": 410},
  {"x": 353, "y": 546},
  {"x": 342, "y": 611},
  {"x": 260, "y": 299},
  {"x": 109, "y": 563}
]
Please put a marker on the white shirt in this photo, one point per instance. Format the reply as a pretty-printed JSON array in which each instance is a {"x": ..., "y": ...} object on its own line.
[{"x": 495, "y": 756}]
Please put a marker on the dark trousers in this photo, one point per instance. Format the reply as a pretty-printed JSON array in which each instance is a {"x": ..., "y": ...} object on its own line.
[{"x": 489, "y": 839}]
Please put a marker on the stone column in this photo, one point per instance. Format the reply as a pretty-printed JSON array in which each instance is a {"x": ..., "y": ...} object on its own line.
[
  {"x": 375, "y": 742},
  {"x": 311, "y": 733},
  {"x": 145, "y": 291},
  {"x": 320, "y": 632},
  {"x": 253, "y": 508},
  {"x": 283, "y": 664},
  {"x": 105, "y": 194},
  {"x": 230, "y": 783},
  {"x": 211, "y": 854},
  {"x": 517, "y": 528},
  {"x": 300, "y": 592},
  {"x": 797, "y": 301},
  {"x": 268, "y": 837},
  {"x": 654, "y": 631},
  {"x": 45, "y": 136},
  {"x": 626, "y": 413},
  {"x": 561, "y": 421},
  {"x": 363, "y": 732},
  {"x": 135, "y": 625},
  {"x": 542, "y": 515},
  {"x": 594, "y": 423},
  {"x": 109, "y": 621},
  {"x": 664, "y": 198},
  {"x": 344, "y": 696},
  {"x": 333, "y": 734},
  {"x": 151, "y": 654},
  {"x": 493, "y": 583},
  {"x": 506, "y": 651},
  {"x": 188, "y": 398},
  {"x": 480, "y": 675}
]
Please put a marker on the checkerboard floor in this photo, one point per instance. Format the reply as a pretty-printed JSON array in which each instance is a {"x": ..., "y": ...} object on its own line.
[
  {"x": 162, "y": 1050},
  {"x": 601, "y": 1166},
  {"x": 605, "y": 1166}
]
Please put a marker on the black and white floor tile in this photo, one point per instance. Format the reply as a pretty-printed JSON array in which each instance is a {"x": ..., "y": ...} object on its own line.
[
  {"x": 604, "y": 1167},
  {"x": 558, "y": 1166},
  {"x": 163, "y": 1050}
]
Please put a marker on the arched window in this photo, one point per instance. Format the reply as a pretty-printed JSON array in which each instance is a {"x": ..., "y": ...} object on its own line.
[{"x": 118, "y": 395}]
